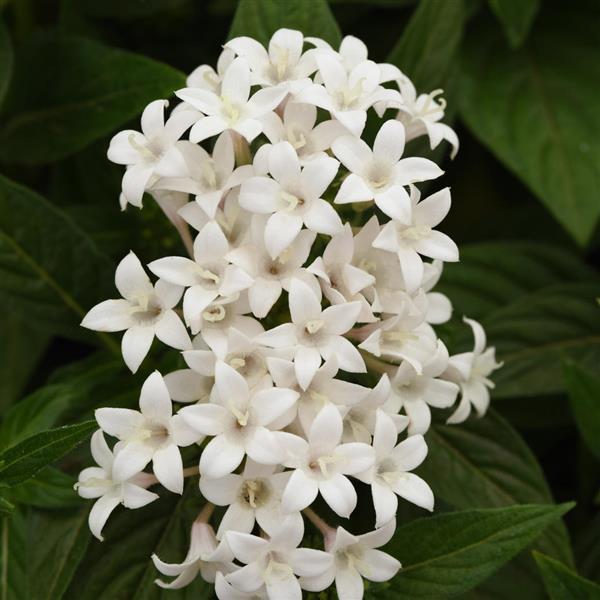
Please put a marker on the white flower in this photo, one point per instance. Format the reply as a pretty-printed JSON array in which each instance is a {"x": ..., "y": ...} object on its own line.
[
  {"x": 275, "y": 562},
  {"x": 321, "y": 464},
  {"x": 233, "y": 108},
  {"x": 471, "y": 371},
  {"x": 347, "y": 96},
  {"x": 355, "y": 557},
  {"x": 381, "y": 174},
  {"x": 185, "y": 385},
  {"x": 421, "y": 115},
  {"x": 207, "y": 277},
  {"x": 152, "y": 152},
  {"x": 322, "y": 390},
  {"x": 209, "y": 178},
  {"x": 239, "y": 422},
  {"x": 225, "y": 591},
  {"x": 415, "y": 391},
  {"x": 153, "y": 434},
  {"x": 255, "y": 495},
  {"x": 315, "y": 333},
  {"x": 299, "y": 128},
  {"x": 292, "y": 197},
  {"x": 341, "y": 280},
  {"x": 439, "y": 307},
  {"x": 352, "y": 52},
  {"x": 270, "y": 275},
  {"x": 409, "y": 240},
  {"x": 359, "y": 420},
  {"x": 145, "y": 311},
  {"x": 206, "y": 78},
  {"x": 100, "y": 482},
  {"x": 390, "y": 474},
  {"x": 283, "y": 65},
  {"x": 205, "y": 556}
]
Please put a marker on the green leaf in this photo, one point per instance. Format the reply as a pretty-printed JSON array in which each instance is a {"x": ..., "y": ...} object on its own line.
[
  {"x": 562, "y": 583},
  {"x": 261, "y": 18},
  {"x": 534, "y": 334},
  {"x": 69, "y": 91},
  {"x": 40, "y": 552},
  {"x": 48, "y": 489},
  {"x": 22, "y": 346},
  {"x": 428, "y": 46},
  {"x": 133, "y": 9},
  {"x": 491, "y": 275},
  {"x": 521, "y": 105},
  {"x": 23, "y": 460},
  {"x": 5, "y": 506},
  {"x": 451, "y": 553},
  {"x": 583, "y": 386},
  {"x": 120, "y": 567},
  {"x": 516, "y": 17},
  {"x": 486, "y": 463},
  {"x": 6, "y": 61},
  {"x": 51, "y": 273}
]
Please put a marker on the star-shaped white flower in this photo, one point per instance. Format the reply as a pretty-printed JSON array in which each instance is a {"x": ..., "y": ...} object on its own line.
[
  {"x": 321, "y": 465},
  {"x": 315, "y": 333},
  {"x": 270, "y": 275},
  {"x": 390, "y": 474},
  {"x": 208, "y": 177},
  {"x": 100, "y": 482},
  {"x": 415, "y": 391},
  {"x": 421, "y": 115},
  {"x": 471, "y": 371},
  {"x": 207, "y": 277},
  {"x": 347, "y": 95},
  {"x": 239, "y": 422},
  {"x": 151, "y": 152},
  {"x": 233, "y": 108},
  {"x": 144, "y": 311},
  {"x": 206, "y": 78},
  {"x": 274, "y": 563},
  {"x": 151, "y": 434},
  {"x": 205, "y": 556},
  {"x": 253, "y": 496},
  {"x": 381, "y": 174},
  {"x": 292, "y": 196},
  {"x": 283, "y": 64},
  {"x": 355, "y": 557},
  {"x": 418, "y": 237}
]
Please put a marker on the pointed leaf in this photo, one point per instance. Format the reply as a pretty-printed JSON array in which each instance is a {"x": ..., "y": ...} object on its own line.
[
  {"x": 561, "y": 582},
  {"x": 516, "y": 16}
]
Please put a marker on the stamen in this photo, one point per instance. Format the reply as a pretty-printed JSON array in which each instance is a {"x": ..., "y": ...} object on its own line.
[
  {"x": 214, "y": 314},
  {"x": 313, "y": 326}
]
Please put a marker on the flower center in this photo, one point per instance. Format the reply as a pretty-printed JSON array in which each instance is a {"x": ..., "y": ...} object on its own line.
[
  {"x": 347, "y": 96},
  {"x": 281, "y": 61},
  {"x": 254, "y": 492},
  {"x": 313, "y": 326},
  {"x": 214, "y": 313},
  {"x": 147, "y": 152},
  {"x": 290, "y": 202},
  {"x": 231, "y": 112},
  {"x": 415, "y": 233}
]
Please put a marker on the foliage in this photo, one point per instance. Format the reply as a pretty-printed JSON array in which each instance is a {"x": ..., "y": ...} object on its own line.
[{"x": 521, "y": 80}]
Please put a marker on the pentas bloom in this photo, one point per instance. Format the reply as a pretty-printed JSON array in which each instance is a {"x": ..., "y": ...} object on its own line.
[{"x": 305, "y": 315}]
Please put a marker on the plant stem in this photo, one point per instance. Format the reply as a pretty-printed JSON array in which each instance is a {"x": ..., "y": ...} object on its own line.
[{"x": 318, "y": 522}]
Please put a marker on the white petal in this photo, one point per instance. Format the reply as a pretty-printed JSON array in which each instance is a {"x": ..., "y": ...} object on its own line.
[
  {"x": 299, "y": 492},
  {"x": 268, "y": 405},
  {"x": 385, "y": 502},
  {"x": 284, "y": 164},
  {"x": 341, "y": 318},
  {"x": 221, "y": 491},
  {"x": 339, "y": 494},
  {"x": 263, "y": 295},
  {"x": 135, "y": 496},
  {"x": 349, "y": 584},
  {"x": 438, "y": 245},
  {"x": 110, "y": 315},
  {"x": 306, "y": 362},
  {"x": 358, "y": 457},
  {"x": 135, "y": 345},
  {"x": 395, "y": 203},
  {"x": 326, "y": 430},
  {"x": 220, "y": 458},
  {"x": 131, "y": 279},
  {"x": 171, "y": 331},
  {"x": 100, "y": 513},
  {"x": 389, "y": 143},
  {"x": 323, "y": 218},
  {"x": 353, "y": 153},
  {"x": 410, "y": 453},
  {"x": 168, "y": 468},
  {"x": 378, "y": 566},
  {"x": 317, "y": 175},
  {"x": 207, "y": 128},
  {"x": 432, "y": 210},
  {"x": 415, "y": 490},
  {"x": 347, "y": 356},
  {"x": 415, "y": 169},
  {"x": 155, "y": 401},
  {"x": 131, "y": 459},
  {"x": 282, "y": 336},
  {"x": 353, "y": 189},
  {"x": 304, "y": 305},
  {"x": 208, "y": 419},
  {"x": 281, "y": 230},
  {"x": 307, "y": 562}
]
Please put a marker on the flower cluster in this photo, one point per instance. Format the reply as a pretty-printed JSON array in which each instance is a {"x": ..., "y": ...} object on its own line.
[{"x": 287, "y": 313}]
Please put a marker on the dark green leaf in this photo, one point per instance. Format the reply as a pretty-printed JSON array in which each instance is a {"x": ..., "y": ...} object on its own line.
[
  {"x": 6, "y": 61},
  {"x": 485, "y": 463},
  {"x": 51, "y": 273},
  {"x": 50, "y": 488},
  {"x": 23, "y": 460},
  {"x": 69, "y": 91},
  {"x": 562, "y": 583},
  {"x": 132, "y": 9},
  {"x": 428, "y": 46},
  {"x": 536, "y": 332},
  {"x": 21, "y": 348},
  {"x": 261, "y": 18},
  {"x": 40, "y": 553},
  {"x": 5, "y": 506},
  {"x": 491, "y": 275},
  {"x": 535, "y": 109},
  {"x": 583, "y": 386},
  {"x": 516, "y": 17},
  {"x": 451, "y": 553}
]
